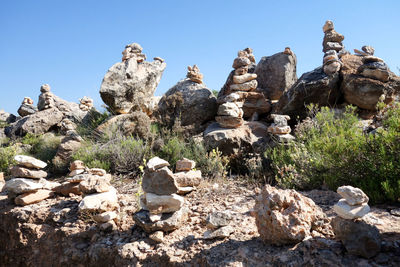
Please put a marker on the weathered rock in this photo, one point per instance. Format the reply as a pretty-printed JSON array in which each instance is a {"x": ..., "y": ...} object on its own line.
[
  {"x": 230, "y": 109},
  {"x": 160, "y": 182},
  {"x": 279, "y": 129},
  {"x": 250, "y": 137},
  {"x": 185, "y": 190},
  {"x": 29, "y": 162},
  {"x": 7, "y": 117},
  {"x": 37, "y": 123},
  {"x": 77, "y": 165},
  {"x": 105, "y": 216},
  {"x": 25, "y": 110},
  {"x": 222, "y": 232},
  {"x": 189, "y": 102},
  {"x": 189, "y": 178},
  {"x": 276, "y": 74},
  {"x": 66, "y": 189},
  {"x": 22, "y": 172},
  {"x": 240, "y": 62},
  {"x": 353, "y": 195},
  {"x": 126, "y": 84},
  {"x": 286, "y": 217},
  {"x": 49, "y": 185},
  {"x": 69, "y": 144},
  {"x": 136, "y": 123},
  {"x": 157, "y": 236},
  {"x": 313, "y": 87},
  {"x": 358, "y": 237},
  {"x": 218, "y": 219},
  {"x": 194, "y": 74},
  {"x": 247, "y": 86},
  {"x": 97, "y": 171},
  {"x": 346, "y": 211},
  {"x": 184, "y": 165},
  {"x": 255, "y": 102},
  {"x": 100, "y": 202},
  {"x": 33, "y": 197},
  {"x": 76, "y": 172},
  {"x": 156, "y": 163},
  {"x": 332, "y": 68},
  {"x": 229, "y": 121},
  {"x": 167, "y": 223},
  {"x": 238, "y": 79},
  {"x": 95, "y": 184},
  {"x": 377, "y": 74},
  {"x": 157, "y": 204},
  {"x": 328, "y": 26},
  {"x": 22, "y": 185}
]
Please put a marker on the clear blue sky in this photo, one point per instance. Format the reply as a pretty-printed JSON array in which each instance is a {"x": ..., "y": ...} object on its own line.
[{"x": 71, "y": 44}]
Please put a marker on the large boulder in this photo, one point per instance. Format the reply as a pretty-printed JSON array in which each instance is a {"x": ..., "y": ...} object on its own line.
[
  {"x": 190, "y": 102},
  {"x": 276, "y": 74},
  {"x": 313, "y": 87},
  {"x": 249, "y": 137},
  {"x": 38, "y": 123},
  {"x": 126, "y": 84},
  {"x": 7, "y": 117},
  {"x": 287, "y": 217},
  {"x": 362, "y": 91}
]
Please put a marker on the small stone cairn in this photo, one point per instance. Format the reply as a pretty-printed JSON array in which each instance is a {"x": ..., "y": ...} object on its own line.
[
  {"x": 374, "y": 68},
  {"x": 194, "y": 74},
  {"x": 333, "y": 48},
  {"x": 133, "y": 50},
  {"x": 28, "y": 184},
  {"x": 85, "y": 103},
  {"x": 366, "y": 50},
  {"x": 354, "y": 203},
  {"x": 279, "y": 128},
  {"x": 27, "y": 107},
  {"x": 163, "y": 209},
  {"x": 47, "y": 97},
  {"x": 358, "y": 237},
  {"x": 230, "y": 113}
]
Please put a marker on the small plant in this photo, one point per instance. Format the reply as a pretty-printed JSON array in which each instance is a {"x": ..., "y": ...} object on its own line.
[{"x": 7, "y": 158}]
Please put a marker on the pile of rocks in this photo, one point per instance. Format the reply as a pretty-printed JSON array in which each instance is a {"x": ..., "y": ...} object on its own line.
[
  {"x": 280, "y": 128},
  {"x": 46, "y": 100},
  {"x": 194, "y": 74},
  {"x": 28, "y": 185},
  {"x": 332, "y": 39},
  {"x": 331, "y": 62},
  {"x": 133, "y": 50},
  {"x": 286, "y": 217},
  {"x": 230, "y": 113},
  {"x": 366, "y": 50},
  {"x": 374, "y": 68},
  {"x": 358, "y": 237},
  {"x": 27, "y": 107},
  {"x": 86, "y": 103},
  {"x": 163, "y": 209}
]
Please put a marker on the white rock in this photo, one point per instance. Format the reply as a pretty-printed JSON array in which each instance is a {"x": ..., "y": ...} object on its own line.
[
  {"x": 29, "y": 162},
  {"x": 157, "y": 236},
  {"x": 105, "y": 216},
  {"x": 102, "y": 202},
  {"x": 156, "y": 163},
  {"x": 222, "y": 232},
  {"x": 230, "y": 109},
  {"x": 76, "y": 172},
  {"x": 353, "y": 195},
  {"x": 190, "y": 178},
  {"x": 162, "y": 203},
  {"x": 346, "y": 211},
  {"x": 22, "y": 185},
  {"x": 49, "y": 185}
]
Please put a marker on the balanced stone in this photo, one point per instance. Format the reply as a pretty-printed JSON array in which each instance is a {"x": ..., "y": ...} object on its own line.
[
  {"x": 22, "y": 185},
  {"x": 247, "y": 86},
  {"x": 279, "y": 130},
  {"x": 237, "y": 79},
  {"x": 100, "y": 202},
  {"x": 240, "y": 62},
  {"x": 194, "y": 74},
  {"x": 18, "y": 171},
  {"x": 33, "y": 197},
  {"x": 189, "y": 178},
  {"x": 94, "y": 184},
  {"x": 168, "y": 221},
  {"x": 156, "y": 163},
  {"x": 346, "y": 211},
  {"x": 29, "y": 162},
  {"x": 370, "y": 59},
  {"x": 229, "y": 122},
  {"x": 353, "y": 195},
  {"x": 105, "y": 216},
  {"x": 218, "y": 219},
  {"x": 185, "y": 165},
  {"x": 230, "y": 109},
  {"x": 157, "y": 204},
  {"x": 160, "y": 182}
]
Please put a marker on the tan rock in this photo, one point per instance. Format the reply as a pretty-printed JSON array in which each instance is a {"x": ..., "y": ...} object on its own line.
[
  {"x": 160, "y": 182},
  {"x": 33, "y": 197},
  {"x": 279, "y": 129},
  {"x": 157, "y": 204},
  {"x": 377, "y": 74},
  {"x": 97, "y": 171},
  {"x": 94, "y": 184},
  {"x": 189, "y": 178},
  {"x": 185, "y": 165},
  {"x": 194, "y": 74},
  {"x": 239, "y": 79},
  {"x": 229, "y": 122},
  {"x": 240, "y": 62},
  {"x": 77, "y": 165},
  {"x": 66, "y": 189},
  {"x": 247, "y": 86},
  {"x": 22, "y": 185},
  {"x": 328, "y": 26},
  {"x": 76, "y": 172},
  {"x": 242, "y": 70},
  {"x": 157, "y": 236},
  {"x": 185, "y": 190},
  {"x": 45, "y": 88},
  {"x": 105, "y": 216},
  {"x": 29, "y": 162},
  {"x": 2, "y": 177},
  {"x": 156, "y": 163},
  {"x": 286, "y": 216},
  {"x": 370, "y": 59},
  {"x": 230, "y": 109},
  {"x": 100, "y": 202},
  {"x": 332, "y": 68},
  {"x": 108, "y": 226},
  {"x": 22, "y": 172}
]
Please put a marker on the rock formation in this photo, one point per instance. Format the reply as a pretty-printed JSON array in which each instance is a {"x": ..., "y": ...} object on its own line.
[
  {"x": 162, "y": 208},
  {"x": 280, "y": 129},
  {"x": 332, "y": 39},
  {"x": 331, "y": 62},
  {"x": 27, "y": 107},
  {"x": 189, "y": 103},
  {"x": 276, "y": 73},
  {"x": 128, "y": 83},
  {"x": 358, "y": 237},
  {"x": 28, "y": 184},
  {"x": 287, "y": 217},
  {"x": 366, "y": 50},
  {"x": 86, "y": 103}
]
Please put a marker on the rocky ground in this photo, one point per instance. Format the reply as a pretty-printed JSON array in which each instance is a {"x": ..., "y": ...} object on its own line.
[{"x": 52, "y": 233}]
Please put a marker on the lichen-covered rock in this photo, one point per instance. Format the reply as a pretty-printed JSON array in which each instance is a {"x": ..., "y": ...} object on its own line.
[
  {"x": 286, "y": 216},
  {"x": 126, "y": 84},
  {"x": 189, "y": 102},
  {"x": 276, "y": 74}
]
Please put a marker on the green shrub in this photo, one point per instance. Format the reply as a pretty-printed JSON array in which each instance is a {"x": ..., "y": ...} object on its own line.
[
  {"x": 94, "y": 119},
  {"x": 43, "y": 147},
  {"x": 331, "y": 149},
  {"x": 6, "y": 158}
]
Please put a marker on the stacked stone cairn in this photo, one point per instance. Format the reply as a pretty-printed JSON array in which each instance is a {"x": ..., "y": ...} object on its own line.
[
  {"x": 194, "y": 74},
  {"x": 133, "y": 50},
  {"x": 230, "y": 113},
  {"x": 46, "y": 97},
  {"x": 279, "y": 128},
  {"x": 85, "y": 103},
  {"x": 357, "y": 236},
  {"x": 27, "y": 107},
  {"x": 374, "y": 68},
  {"x": 163, "y": 209},
  {"x": 333, "y": 48},
  {"x": 366, "y": 50},
  {"x": 28, "y": 184}
]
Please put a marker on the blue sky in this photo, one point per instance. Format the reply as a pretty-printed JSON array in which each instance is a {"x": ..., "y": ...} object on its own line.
[{"x": 71, "y": 44}]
